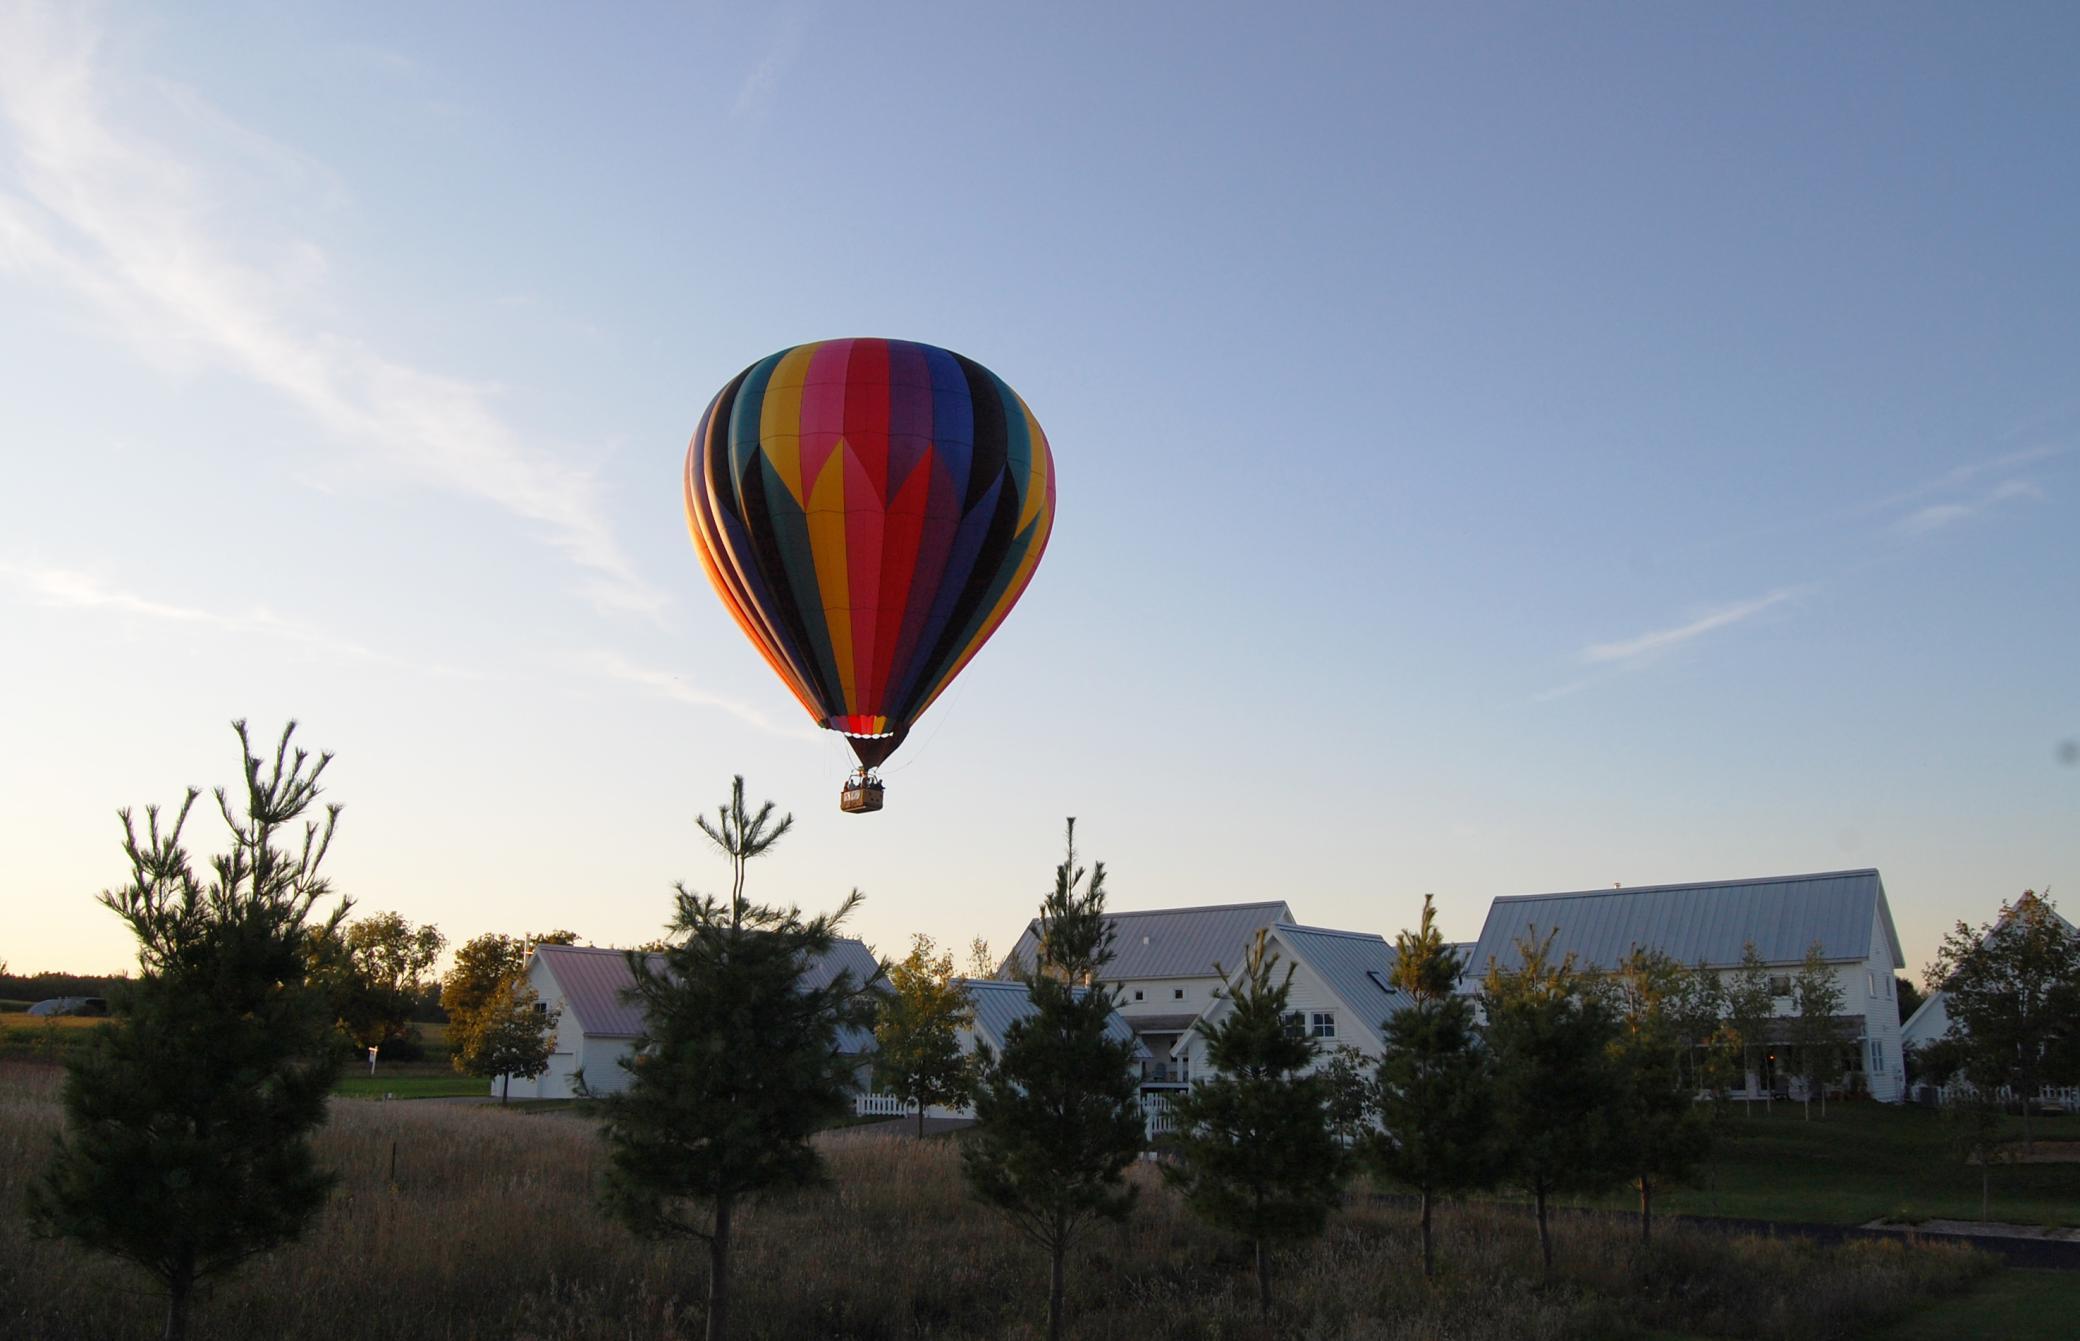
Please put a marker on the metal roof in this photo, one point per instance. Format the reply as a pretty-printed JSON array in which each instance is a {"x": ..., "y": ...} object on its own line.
[
  {"x": 1709, "y": 922},
  {"x": 999, "y": 1005},
  {"x": 594, "y": 982},
  {"x": 1358, "y": 966},
  {"x": 1173, "y": 942}
]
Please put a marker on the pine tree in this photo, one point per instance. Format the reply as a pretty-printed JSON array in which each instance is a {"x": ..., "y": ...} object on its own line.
[
  {"x": 1255, "y": 1155},
  {"x": 737, "y": 1066},
  {"x": 187, "y": 1148},
  {"x": 1659, "y": 1134},
  {"x": 1432, "y": 1088},
  {"x": 1549, "y": 1034},
  {"x": 1058, "y": 1115},
  {"x": 917, "y": 1030},
  {"x": 1817, "y": 993}
]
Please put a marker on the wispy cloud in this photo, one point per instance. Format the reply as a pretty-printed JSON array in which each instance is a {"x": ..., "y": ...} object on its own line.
[
  {"x": 613, "y": 666},
  {"x": 755, "y": 95},
  {"x": 1951, "y": 480},
  {"x": 131, "y": 225},
  {"x": 1661, "y": 640},
  {"x": 73, "y": 589},
  {"x": 1936, "y": 516}
]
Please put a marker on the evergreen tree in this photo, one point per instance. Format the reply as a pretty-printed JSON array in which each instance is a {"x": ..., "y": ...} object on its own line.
[
  {"x": 1659, "y": 1133},
  {"x": 738, "y": 1064},
  {"x": 2014, "y": 998},
  {"x": 1255, "y": 1155},
  {"x": 917, "y": 1031},
  {"x": 1817, "y": 994},
  {"x": 1549, "y": 1033},
  {"x": 188, "y": 1120},
  {"x": 1750, "y": 1006},
  {"x": 1058, "y": 1115},
  {"x": 1432, "y": 1090}
]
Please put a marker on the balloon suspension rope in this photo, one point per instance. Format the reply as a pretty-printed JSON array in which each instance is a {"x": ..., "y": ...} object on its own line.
[{"x": 960, "y": 687}]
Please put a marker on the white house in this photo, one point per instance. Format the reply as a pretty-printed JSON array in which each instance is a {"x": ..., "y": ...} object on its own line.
[
  {"x": 1845, "y": 912},
  {"x": 1163, "y": 971},
  {"x": 1342, "y": 993},
  {"x": 597, "y": 1026}
]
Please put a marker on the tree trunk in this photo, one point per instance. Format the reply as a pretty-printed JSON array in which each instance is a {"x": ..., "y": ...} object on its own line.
[
  {"x": 178, "y": 1290},
  {"x": 1429, "y": 1263},
  {"x": 1983, "y": 1172},
  {"x": 718, "y": 1273},
  {"x": 920, "y": 1119},
  {"x": 1055, "y": 1290},
  {"x": 505, "y": 1087},
  {"x": 1263, "y": 1279},
  {"x": 1646, "y": 1209},
  {"x": 1545, "y": 1236}
]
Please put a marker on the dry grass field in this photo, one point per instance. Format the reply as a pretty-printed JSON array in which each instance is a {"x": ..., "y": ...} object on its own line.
[{"x": 490, "y": 1230}]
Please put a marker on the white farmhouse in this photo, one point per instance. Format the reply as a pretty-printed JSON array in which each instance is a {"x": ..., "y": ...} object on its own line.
[
  {"x": 1163, "y": 971},
  {"x": 597, "y": 1026},
  {"x": 1711, "y": 922},
  {"x": 1342, "y": 994}
]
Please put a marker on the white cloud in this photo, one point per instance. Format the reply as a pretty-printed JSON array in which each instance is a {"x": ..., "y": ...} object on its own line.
[
  {"x": 1661, "y": 640},
  {"x": 1937, "y": 516},
  {"x": 72, "y": 589},
  {"x": 132, "y": 226},
  {"x": 613, "y": 666},
  {"x": 755, "y": 95}
]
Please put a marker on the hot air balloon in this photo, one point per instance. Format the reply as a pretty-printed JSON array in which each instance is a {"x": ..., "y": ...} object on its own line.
[{"x": 869, "y": 511}]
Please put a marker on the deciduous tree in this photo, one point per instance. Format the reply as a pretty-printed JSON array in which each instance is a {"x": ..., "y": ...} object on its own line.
[
  {"x": 917, "y": 1030},
  {"x": 2014, "y": 998},
  {"x": 1816, "y": 994},
  {"x": 1058, "y": 1115},
  {"x": 188, "y": 1120},
  {"x": 738, "y": 1063},
  {"x": 1433, "y": 1090},
  {"x": 1750, "y": 1006},
  {"x": 1658, "y": 1132},
  {"x": 1254, "y": 1153}
]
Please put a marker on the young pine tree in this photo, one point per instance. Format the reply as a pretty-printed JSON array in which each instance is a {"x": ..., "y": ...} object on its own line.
[
  {"x": 1817, "y": 994},
  {"x": 1255, "y": 1154},
  {"x": 1549, "y": 1035},
  {"x": 738, "y": 1064},
  {"x": 917, "y": 1028},
  {"x": 1058, "y": 1115},
  {"x": 1659, "y": 1133},
  {"x": 1432, "y": 1088},
  {"x": 187, "y": 1148}
]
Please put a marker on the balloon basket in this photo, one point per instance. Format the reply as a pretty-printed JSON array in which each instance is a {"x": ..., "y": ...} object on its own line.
[{"x": 861, "y": 795}]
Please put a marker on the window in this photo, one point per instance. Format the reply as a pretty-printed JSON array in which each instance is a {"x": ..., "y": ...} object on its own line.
[
  {"x": 1877, "y": 1055},
  {"x": 1177, "y": 994},
  {"x": 1870, "y": 982},
  {"x": 541, "y": 1008},
  {"x": 1322, "y": 1024},
  {"x": 1296, "y": 1024},
  {"x": 1379, "y": 980},
  {"x": 1137, "y": 994},
  {"x": 1780, "y": 984}
]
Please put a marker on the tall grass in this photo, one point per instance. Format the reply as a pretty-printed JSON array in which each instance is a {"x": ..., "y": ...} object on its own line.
[{"x": 490, "y": 1229}]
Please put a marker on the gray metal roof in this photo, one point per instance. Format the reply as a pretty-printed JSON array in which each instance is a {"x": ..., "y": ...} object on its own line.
[
  {"x": 998, "y": 1005},
  {"x": 1357, "y": 966},
  {"x": 594, "y": 982},
  {"x": 1173, "y": 942},
  {"x": 1709, "y": 922}
]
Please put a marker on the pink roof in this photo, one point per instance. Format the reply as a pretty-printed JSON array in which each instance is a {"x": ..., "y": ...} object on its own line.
[{"x": 592, "y": 981}]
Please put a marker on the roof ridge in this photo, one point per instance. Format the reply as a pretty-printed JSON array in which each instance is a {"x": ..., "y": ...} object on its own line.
[
  {"x": 1690, "y": 884},
  {"x": 1198, "y": 908},
  {"x": 1333, "y": 931}
]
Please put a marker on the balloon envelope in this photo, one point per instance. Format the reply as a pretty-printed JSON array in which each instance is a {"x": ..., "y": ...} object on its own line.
[{"x": 869, "y": 511}]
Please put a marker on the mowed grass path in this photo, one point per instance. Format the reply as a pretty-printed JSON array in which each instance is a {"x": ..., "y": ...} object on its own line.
[{"x": 1863, "y": 1162}]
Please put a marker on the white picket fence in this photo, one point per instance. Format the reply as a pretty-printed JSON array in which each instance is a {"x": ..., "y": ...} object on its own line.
[
  {"x": 2065, "y": 1096},
  {"x": 1155, "y": 1110}
]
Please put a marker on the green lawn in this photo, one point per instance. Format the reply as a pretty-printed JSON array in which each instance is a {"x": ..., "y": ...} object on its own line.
[
  {"x": 2012, "y": 1306},
  {"x": 1862, "y": 1162},
  {"x": 365, "y": 1086}
]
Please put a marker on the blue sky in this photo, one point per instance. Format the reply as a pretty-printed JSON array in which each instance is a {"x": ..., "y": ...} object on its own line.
[{"x": 1500, "y": 449}]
